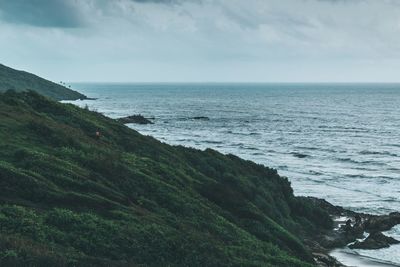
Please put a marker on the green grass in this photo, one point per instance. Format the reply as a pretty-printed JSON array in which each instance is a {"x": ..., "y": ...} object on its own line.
[
  {"x": 68, "y": 199},
  {"x": 11, "y": 79}
]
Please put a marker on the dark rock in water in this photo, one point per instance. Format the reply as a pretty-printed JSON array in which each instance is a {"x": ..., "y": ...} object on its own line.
[
  {"x": 376, "y": 240},
  {"x": 348, "y": 226},
  {"x": 201, "y": 118},
  {"x": 139, "y": 119},
  {"x": 338, "y": 238},
  {"x": 382, "y": 223},
  {"x": 299, "y": 155}
]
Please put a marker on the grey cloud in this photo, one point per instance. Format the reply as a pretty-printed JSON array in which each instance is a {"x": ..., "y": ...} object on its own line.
[
  {"x": 136, "y": 40},
  {"x": 42, "y": 13}
]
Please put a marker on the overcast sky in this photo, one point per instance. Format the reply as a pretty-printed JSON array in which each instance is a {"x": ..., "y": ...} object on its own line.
[{"x": 203, "y": 40}]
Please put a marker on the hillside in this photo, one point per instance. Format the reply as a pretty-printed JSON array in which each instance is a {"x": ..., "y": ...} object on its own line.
[
  {"x": 22, "y": 81},
  {"x": 69, "y": 199}
]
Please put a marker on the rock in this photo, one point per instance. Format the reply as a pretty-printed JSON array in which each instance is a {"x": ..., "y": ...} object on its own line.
[
  {"x": 382, "y": 223},
  {"x": 347, "y": 227},
  {"x": 299, "y": 155},
  {"x": 333, "y": 240},
  {"x": 201, "y": 118},
  {"x": 337, "y": 239},
  {"x": 375, "y": 240},
  {"x": 324, "y": 260},
  {"x": 139, "y": 119},
  {"x": 356, "y": 229}
]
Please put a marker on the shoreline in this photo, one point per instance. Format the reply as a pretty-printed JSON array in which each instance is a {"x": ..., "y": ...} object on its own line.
[
  {"x": 347, "y": 258},
  {"x": 352, "y": 259},
  {"x": 330, "y": 247}
]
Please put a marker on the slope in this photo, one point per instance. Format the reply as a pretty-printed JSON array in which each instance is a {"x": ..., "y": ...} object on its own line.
[
  {"x": 11, "y": 79},
  {"x": 129, "y": 200}
]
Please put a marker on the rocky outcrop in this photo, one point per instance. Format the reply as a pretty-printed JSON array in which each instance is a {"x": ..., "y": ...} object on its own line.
[
  {"x": 354, "y": 228},
  {"x": 324, "y": 260},
  {"x": 349, "y": 227},
  {"x": 382, "y": 223},
  {"x": 375, "y": 240},
  {"x": 138, "y": 119}
]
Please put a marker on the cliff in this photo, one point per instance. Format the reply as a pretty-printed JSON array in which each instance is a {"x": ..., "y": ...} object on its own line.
[{"x": 70, "y": 197}]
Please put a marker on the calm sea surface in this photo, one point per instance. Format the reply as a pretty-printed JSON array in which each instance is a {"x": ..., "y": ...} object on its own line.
[{"x": 340, "y": 142}]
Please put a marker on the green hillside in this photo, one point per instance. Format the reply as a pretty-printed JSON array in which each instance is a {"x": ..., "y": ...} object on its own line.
[
  {"x": 69, "y": 199},
  {"x": 22, "y": 81}
]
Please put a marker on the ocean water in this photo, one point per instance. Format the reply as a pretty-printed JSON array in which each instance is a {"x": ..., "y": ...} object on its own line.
[{"x": 340, "y": 142}]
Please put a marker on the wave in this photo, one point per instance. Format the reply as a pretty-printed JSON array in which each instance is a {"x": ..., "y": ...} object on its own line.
[
  {"x": 249, "y": 148},
  {"x": 281, "y": 120},
  {"x": 390, "y": 199},
  {"x": 185, "y": 140},
  {"x": 283, "y": 167},
  {"x": 342, "y": 127},
  {"x": 241, "y": 133},
  {"x": 371, "y": 162},
  {"x": 330, "y": 150},
  {"x": 212, "y": 142},
  {"x": 315, "y": 172},
  {"x": 385, "y": 153}
]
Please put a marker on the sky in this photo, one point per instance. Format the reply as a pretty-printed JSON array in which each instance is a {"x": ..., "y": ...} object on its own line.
[{"x": 203, "y": 40}]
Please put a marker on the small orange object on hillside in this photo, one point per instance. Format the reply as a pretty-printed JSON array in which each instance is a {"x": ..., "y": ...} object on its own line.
[{"x": 98, "y": 135}]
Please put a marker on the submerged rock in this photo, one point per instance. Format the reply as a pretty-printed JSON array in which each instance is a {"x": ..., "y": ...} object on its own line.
[
  {"x": 138, "y": 119},
  {"x": 201, "y": 118},
  {"x": 375, "y": 240},
  {"x": 299, "y": 155}
]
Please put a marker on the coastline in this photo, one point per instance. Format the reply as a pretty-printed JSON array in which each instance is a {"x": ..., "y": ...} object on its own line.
[
  {"x": 330, "y": 248},
  {"x": 135, "y": 200},
  {"x": 350, "y": 259},
  {"x": 236, "y": 191},
  {"x": 338, "y": 255}
]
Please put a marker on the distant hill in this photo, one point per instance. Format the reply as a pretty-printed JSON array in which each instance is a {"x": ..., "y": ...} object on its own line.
[{"x": 22, "y": 81}]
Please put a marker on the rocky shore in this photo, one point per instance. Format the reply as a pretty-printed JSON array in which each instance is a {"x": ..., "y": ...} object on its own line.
[
  {"x": 138, "y": 119},
  {"x": 352, "y": 229}
]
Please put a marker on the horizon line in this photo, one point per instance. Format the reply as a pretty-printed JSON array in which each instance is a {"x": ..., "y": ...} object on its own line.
[{"x": 223, "y": 82}]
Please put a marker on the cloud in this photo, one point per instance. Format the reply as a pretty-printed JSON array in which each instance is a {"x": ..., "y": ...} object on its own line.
[
  {"x": 42, "y": 13},
  {"x": 128, "y": 40}
]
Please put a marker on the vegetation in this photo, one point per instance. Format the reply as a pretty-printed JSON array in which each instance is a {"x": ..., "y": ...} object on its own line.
[
  {"x": 11, "y": 79},
  {"x": 69, "y": 198}
]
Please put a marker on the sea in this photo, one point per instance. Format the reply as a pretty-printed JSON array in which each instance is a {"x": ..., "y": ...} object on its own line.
[{"x": 340, "y": 142}]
